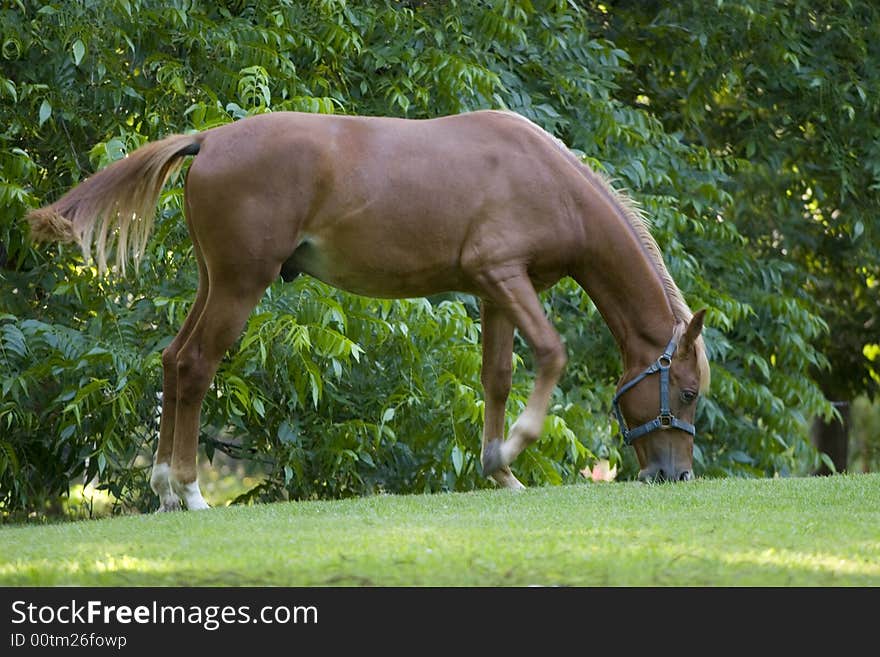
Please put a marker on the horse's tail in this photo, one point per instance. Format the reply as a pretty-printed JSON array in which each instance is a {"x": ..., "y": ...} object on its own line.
[{"x": 124, "y": 193}]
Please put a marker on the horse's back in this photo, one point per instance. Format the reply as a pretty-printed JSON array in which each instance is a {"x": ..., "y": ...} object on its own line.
[{"x": 388, "y": 206}]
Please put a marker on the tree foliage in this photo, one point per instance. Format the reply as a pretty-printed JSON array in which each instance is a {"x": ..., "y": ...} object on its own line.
[
  {"x": 790, "y": 92},
  {"x": 333, "y": 394}
]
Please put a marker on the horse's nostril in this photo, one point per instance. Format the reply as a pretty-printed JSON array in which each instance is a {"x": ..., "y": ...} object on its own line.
[{"x": 661, "y": 475}]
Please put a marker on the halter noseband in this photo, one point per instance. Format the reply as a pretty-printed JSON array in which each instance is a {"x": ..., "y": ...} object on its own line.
[{"x": 666, "y": 420}]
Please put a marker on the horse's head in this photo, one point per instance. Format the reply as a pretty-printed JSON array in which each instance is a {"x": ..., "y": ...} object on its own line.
[{"x": 655, "y": 406}]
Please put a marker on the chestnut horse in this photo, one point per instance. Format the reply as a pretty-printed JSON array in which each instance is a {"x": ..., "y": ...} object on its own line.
[{"x": 485, "y": 203}]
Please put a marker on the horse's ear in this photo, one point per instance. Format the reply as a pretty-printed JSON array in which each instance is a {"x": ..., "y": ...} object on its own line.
[{"x": 693, "y": 330}]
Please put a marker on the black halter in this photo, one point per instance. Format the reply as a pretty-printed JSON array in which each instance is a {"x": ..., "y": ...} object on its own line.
[{"x": 666, "y": 420}]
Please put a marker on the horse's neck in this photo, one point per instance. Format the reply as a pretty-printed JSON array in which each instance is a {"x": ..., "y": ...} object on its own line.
[{"x": 624, "y": 284}]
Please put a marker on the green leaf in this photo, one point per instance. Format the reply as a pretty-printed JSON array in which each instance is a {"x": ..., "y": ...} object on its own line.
[
  {"x": 858, "y": 229},
  {"x": 115, "y": 149},
  {"x": 828, "y": 462},
  {"x": 79, "y": 49},
  {"x": 457, "y": 459},
  {"x": 741, "y": 457},
  {"x": 45, "y": 112},
  {"x": 9, "y": 86},
  {"x": 286, "y": 434}
]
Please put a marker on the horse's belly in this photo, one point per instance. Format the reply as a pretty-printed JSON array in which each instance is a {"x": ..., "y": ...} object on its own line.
[{"x": 374, "y": 272}]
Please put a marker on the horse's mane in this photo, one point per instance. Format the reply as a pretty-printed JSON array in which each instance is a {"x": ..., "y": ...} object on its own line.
[
  {"x": 630, "y": 210},
  {"x": 635, "y": 216}
]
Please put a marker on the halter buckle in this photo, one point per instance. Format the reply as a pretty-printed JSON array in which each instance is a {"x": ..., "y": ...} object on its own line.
[{"x": 666, "y": 420}]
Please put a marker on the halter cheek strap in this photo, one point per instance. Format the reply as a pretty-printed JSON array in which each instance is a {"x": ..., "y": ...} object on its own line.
[{"x": 665, "y": 420}]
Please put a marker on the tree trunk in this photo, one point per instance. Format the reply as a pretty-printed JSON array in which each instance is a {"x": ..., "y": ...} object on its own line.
[{"x": 832, "y": 438}]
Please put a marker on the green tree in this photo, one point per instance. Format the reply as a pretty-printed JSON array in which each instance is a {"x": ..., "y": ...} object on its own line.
[{"x": 790, "y": 92}]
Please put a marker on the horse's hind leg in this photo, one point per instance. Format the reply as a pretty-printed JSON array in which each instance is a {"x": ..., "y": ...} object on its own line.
[
  {"x": 232, "y": 295},
  {"x": 497, "y": 332},
  {"x": 513, "y": 291},
  {"x": 160, "y": 478}
]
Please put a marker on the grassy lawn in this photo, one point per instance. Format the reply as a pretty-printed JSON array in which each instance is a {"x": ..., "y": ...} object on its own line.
[{"x": 780, "y": 532}]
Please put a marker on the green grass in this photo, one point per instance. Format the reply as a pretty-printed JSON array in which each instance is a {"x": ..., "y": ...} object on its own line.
[{"x": 731, "y": 532}]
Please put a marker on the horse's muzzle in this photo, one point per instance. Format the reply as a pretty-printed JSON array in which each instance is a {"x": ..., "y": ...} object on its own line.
[{"x": 658, "y": 474}]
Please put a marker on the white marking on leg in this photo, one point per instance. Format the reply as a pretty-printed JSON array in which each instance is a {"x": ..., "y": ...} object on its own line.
[
  {"x": 191, "y": 495},
  {"x": 525, "y": 431},
  {"x": 506, "y": 479},
  {"x": 160, "y": 482}
]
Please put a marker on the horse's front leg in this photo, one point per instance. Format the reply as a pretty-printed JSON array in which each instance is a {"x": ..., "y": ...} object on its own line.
[
  {"x": 496, "y": 374},
  {"x": 513, "y": 292}
]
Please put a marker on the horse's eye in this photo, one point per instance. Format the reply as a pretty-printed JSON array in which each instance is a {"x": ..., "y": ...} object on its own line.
[{"x": 688, "y": 396}]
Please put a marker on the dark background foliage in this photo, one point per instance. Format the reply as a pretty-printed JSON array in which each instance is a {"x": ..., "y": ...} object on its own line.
[{"x": 747, "y": 130}]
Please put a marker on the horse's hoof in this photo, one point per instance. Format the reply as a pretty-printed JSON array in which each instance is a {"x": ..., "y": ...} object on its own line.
[
  {"x": 506, "y": 479},
  {"x": 169, "y": 505},
  {"x": 491, "y": 457},
  {"x": 190, "y": 494},
  {"x": 197, "y": 504}
]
